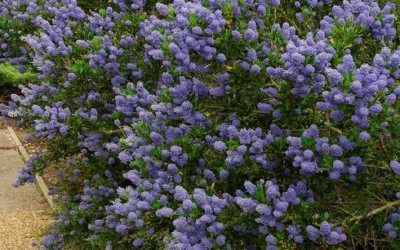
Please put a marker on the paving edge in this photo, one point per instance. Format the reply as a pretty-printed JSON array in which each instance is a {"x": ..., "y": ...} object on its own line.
[{"x": 25, "y": 156}]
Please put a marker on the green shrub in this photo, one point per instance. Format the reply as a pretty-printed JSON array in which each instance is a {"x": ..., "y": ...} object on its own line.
[{"x": 10, "y": 77}]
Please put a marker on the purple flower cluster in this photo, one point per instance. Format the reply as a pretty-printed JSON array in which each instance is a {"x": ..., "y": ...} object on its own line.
[
  {"x": 15, "y": 15},
  {"x": 333, "y": 236},
  {"x": 27, "y": 172},
  {"x": 368, "y": 14}
]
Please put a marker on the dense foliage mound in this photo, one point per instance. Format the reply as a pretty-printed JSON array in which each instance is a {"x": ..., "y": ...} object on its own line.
[
  {"x": 231, "y": 124},
  {"x": 10, "y": 77}
]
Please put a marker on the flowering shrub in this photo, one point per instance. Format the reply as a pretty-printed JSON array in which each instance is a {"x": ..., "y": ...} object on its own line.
[
  {"x": 215, "y": 124},
  {"x": 15, "y": 21}
]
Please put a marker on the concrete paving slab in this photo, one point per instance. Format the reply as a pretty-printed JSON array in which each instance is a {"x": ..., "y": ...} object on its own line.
[
  {"x": 26, "y": 197},
  {"x": 6, "y": 140}
]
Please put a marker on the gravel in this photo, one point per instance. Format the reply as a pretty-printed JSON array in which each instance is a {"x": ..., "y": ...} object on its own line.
[{"x": 19, "y": 229}]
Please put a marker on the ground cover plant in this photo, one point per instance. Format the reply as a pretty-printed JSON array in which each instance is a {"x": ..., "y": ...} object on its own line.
[
  {"x": 249, "y": 124},
  {"x": 11, "y": 77}
]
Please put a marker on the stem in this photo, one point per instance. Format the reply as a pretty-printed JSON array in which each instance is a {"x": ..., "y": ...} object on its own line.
[
  {"x": 328, "y": 125},
  {"x": 291, "y": 22},
  {"x": 375, "y": 211}
]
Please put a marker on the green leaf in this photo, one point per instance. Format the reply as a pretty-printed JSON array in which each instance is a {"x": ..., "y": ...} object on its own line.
[
  {"x": 192, "y": 20},
  {"x": 96, "y": 43},
  {"x": 171, "y": 12},
  {"x": 125, "y": 197},
  {"x": 326, "y": 161},
  {"x": 307, "y": 142},
  {"x": 155, "y": 204},
  {"x": 260, "y": 193},
  {"x": 280, "y": 235},
  {"x": 157, "y": 152},
  {"x": 232, "y": 143}
]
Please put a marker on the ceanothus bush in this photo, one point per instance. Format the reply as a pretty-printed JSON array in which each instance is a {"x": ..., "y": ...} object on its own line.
[{"x": 254, "y": 124}]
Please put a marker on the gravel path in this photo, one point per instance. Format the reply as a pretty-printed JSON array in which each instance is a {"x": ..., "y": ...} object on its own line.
[{"x": 24, "y": 213}]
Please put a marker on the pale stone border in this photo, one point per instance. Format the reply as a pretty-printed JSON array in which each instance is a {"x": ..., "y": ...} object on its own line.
[{"x": 25, "y": 156}]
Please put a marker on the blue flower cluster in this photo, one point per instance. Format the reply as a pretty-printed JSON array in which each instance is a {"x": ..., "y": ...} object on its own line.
[{"x": 211, "y": 124}]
